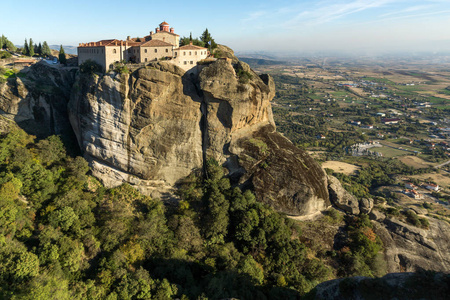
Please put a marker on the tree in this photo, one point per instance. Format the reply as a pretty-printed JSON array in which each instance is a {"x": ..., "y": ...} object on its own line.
[
  {"x": 31, "y": 48},
  {"x": 9, "y": 45},
  {"x": 25, "y": 50},
  {"x": 2, "y": 41},
  {"x": 207, "y": 39},
  {"x": 46, "y": 49},
  {"x": 39, "y": 49},
  {"x": 62, "y": 56}
]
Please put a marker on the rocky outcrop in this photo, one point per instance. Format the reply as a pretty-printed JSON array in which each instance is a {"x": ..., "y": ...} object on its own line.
[
  {"x": 142, "y": 128},
  {"x": 421, "y": 285},
  {"x": 157, "y": 125},
  {"x": 345, "y": 200},
  {"x": 37, "y": 99},
  {"x": 281, "y": 175},
  {"x": 341, "y": 198},
  {"x": 365, "y": 205},
  {"x": 409, "y": 248}
]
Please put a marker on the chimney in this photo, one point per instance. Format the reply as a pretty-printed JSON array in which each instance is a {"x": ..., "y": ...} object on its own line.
[
  {"x": 100, "y": 43},
  {"x": 79, "y": 44},
  {"x": 157, "y": 30},
  {"x": 151, "y": 32},
  {"x": 172, "y": 30},
  {"x": 190, "y": 43}
]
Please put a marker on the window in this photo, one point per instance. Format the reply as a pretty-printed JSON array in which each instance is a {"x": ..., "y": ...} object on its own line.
[
  {"x": 167, "y": 50},
  {"x": 146, "y": 59},
  {"x": 129, "y": 50},
  {"x": 190, "y": 53},
  {"x": 156, "y": 50},
  {"x": 192, "y": 62},
  {"x": 185, "y": 62},
  {"x": 145, "y": 50},
  {"x": 114, "y": 51},
  {"x": 184, "y": 52},
  {"x": 195, "y": 53}
]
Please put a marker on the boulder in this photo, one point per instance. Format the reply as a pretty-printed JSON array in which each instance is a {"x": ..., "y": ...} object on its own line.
[
  {"x": 341, "y": 198},
  {"x": 376, "y": 215},
  {"x": 365, "y": 205}
]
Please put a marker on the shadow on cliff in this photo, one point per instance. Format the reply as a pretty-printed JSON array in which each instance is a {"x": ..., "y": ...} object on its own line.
[{"x": 42, "y": 93}]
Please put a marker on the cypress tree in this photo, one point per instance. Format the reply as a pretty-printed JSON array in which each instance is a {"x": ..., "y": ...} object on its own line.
[
  {"x": 39, "y": 49},
  {"x": 62, "y": 56},
  {"x": 25, "y": 50},
  {"x": 1, "y": 41},
  {"x": 46, "y": 49},
  {"x": 31, "y": 48}
]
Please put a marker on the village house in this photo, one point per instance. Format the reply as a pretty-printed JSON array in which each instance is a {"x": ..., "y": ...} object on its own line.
[
  {"x": 390, "y": 121},
  {"x": 163, "y": 44},
  {"x": 432, "y": 187},
  {"x": 410, "y": 186},
  {"x": 413, "y": 194}
]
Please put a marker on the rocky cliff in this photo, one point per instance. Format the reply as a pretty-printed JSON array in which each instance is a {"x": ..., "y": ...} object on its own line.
[
  {"x": 156, "y": 125},
  {"x": 37, "y": 99}
]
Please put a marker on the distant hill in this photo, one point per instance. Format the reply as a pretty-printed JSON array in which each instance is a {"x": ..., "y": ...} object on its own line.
[
  {"x": 261, "y": 61},
  {"x": 67, "y": 49}
]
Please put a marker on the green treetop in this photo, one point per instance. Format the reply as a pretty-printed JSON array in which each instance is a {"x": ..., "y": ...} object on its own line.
[
  {"x": 25, "y": 50},
  {"x": 46, "y": 49},
  {"x": 39, "y": 49},
  {"x": 31, "y": 48},
  {"x": 62, "y": 55}
]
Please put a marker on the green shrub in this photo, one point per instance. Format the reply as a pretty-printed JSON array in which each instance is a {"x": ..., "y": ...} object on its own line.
[
  {"x": 244, "y": 76},
  {"x": 5, "y": 54},
  {"x": 90, "y": 67},
  {"x": 121, "y": 68}
]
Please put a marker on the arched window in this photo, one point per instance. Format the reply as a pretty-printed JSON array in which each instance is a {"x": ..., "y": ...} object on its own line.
[
  {"x": 114, "y": 51},
  {"x": 190, "y": 53},
  {"x": 184, "y": 52},
  {"x": 167, "y": 50},
  {"x": 195, "y": 53},
  {"x": 156, "y": 50}
]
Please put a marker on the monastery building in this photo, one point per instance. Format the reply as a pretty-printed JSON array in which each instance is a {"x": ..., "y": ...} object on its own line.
[{"x": 164, "y": 43}]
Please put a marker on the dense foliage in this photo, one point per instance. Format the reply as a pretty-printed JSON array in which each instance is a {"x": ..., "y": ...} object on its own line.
[{"x": 63, "y": 236}]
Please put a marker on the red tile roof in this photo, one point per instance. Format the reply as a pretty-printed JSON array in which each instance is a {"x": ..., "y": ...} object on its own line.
[
  {"x": 156, "y": 43},
  {"x": 164, "y": 23},
  {"x": 191, "y": 47},
  {"x": 113, "y": 42}
]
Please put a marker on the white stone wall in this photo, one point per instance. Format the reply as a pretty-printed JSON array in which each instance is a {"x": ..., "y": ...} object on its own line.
[
  {"x": 148, "y": 54},
  {"x": 187, "y": 59}
]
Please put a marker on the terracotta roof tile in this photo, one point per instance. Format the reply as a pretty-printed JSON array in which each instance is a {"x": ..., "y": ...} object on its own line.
[
  {"x": 191, "y": 47},
  {"x": 156, "y": 43},
  {"x": 164, "y": 23}
]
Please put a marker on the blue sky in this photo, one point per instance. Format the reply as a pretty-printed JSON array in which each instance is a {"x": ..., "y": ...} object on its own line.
[{"x": 324, "y": 25}]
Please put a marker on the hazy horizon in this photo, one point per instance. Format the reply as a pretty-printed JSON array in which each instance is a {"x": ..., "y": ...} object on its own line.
[{"x": 341, "y": 26}]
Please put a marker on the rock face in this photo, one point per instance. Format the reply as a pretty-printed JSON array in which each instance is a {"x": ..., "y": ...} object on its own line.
[
  {"x": 158, "y": 124},
  {"x": 37, "y": 101},
  {"x": 346, "y": 201},
  {"x": 141, "y": 128},
  {"x": 341, "y": 198},
  {"x": 409, "y": 248}
]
